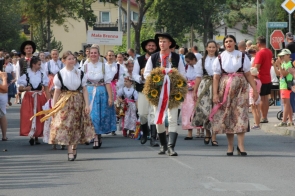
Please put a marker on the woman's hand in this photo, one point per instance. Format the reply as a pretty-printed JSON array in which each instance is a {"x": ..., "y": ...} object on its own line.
[
  {"x": 87, "y": 109},
  {"x": 28, "y": 88},
  {"x": 216, "y": 99},
  {"x": 3, "y": 75},
  {"x": 110, "y": 101}
]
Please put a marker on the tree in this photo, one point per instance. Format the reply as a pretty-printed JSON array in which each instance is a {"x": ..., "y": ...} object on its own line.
[
  {"x": 10, "y": 36},
  {"x": 39, "y": 12},
  {"x": 143, "y": 7},
  {"x": 179, "y": 17}
]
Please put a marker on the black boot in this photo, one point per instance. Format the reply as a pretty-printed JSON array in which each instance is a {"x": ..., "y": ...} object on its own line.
[
  {"x": 171, "y": 143},
  {"x": 153, "y": 140},
  {"x": 163, "y": 141},
  {"x": 145, "y": 131}
]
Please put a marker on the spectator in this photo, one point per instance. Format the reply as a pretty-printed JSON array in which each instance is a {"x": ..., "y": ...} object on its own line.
[
  {"x": 290, "y": 44},
  {"x": 3, "y": 102},
  {"x": 196, "y": 52},
  {"x": 242, "y": 48},
  {"x": 263, "y": 63},
  {"x": 131, "y": 52},
  {"x": 285, "y": 92},
  {"x": 248, "y": 44}
]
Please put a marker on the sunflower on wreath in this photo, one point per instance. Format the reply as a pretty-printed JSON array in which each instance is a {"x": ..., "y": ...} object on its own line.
[{"x": 154, "y": 82}]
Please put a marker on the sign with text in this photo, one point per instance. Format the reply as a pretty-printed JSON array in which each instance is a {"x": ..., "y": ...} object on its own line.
[
  {"x": 105, "y": 37},
  {"x": 277, "y": 25},
  {"x": 276, "y": 39}
]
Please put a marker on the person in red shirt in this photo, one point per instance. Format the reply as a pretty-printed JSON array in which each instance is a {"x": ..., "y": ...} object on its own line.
[{"x": 263, "y": 63}]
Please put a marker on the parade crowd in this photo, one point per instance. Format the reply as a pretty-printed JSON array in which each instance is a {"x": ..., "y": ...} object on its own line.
[{"x": 81, "y": 96}]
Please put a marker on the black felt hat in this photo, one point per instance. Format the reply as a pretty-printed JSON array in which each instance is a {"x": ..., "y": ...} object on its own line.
[
  {"x": 144, "y": 43},
  {"x": 22, "y": 47},
  {"x": 168, "y": 36}
]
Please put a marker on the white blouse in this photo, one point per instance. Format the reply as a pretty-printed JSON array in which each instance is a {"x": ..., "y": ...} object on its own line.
[
  {"x": 128, "y": 92},
  {"x": 44, "y": 67},
  {"x": 208, "y": 66},
  {"x": 71, "y": 79},
  {"x": 94, "y": 72},
  {"x": 9, "y": 68},
  {"x": 190, "y": 73},
  {"x": 55, "y": 66},
  {"x": 34, "y": 78},
  {"x": 231, "y": 62},
  {"x": 114, "y": 69}
]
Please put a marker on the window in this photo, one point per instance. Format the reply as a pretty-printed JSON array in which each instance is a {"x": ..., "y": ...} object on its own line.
[
  {"x": 105, "y": 17},
  {"x": 134, "y": 16}
]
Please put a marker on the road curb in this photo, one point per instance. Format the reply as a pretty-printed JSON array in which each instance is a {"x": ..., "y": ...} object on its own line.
[{"x": 270, "y": 127}]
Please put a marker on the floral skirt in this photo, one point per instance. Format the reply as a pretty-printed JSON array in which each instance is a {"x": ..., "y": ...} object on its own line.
[
  {"x": 130, "y": 118},
  {"x": 71, "y": 125},
  {"x": 27, "y": 111},
  {"x": 232, "y": 117},
  {"x": 187, "y": 109},
  {"x": 204, "y": 104},
  {"x": 103, "y": 117}
]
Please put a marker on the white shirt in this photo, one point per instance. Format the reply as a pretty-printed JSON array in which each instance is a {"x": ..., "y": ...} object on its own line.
[
  {"x": 71, "y": 79},
  {"x": 231, "y": 62},
  {"x": 114, "y": 69},
  {"x": 9, "y": 68},
  {"x": 149, "y": 66},
  {"x": 94, "y": 72},
  {"x": 55, "y": 66},
  {"x": 273, "y": 75},
  {"x": 34, "y": 78},
  {"x": 127, "y": 92},
  {"x": 44, "y": 67},
  {"x": 208, "y": 66},
  {"x": 198, "y": 56},
  {"x": 190, "y": 73}
]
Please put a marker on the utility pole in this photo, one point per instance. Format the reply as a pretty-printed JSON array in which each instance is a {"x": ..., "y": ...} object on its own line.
[
  {"x": 120, "y": 16},
  {"x": 128, "y": 24}
]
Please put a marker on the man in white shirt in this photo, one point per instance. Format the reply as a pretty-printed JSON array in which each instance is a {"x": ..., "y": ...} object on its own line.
[
  {"x": 131, "y": 52},
  {"x": 87, "y": 49},
  {"x": 167, "y": 59},
  {"x": 195, "y": 50},
  {"x": 144, "y": 108}
]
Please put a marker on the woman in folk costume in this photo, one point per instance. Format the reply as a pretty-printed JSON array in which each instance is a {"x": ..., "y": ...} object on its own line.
[
  {"x": 118, "y": 75},
  {"x": 32, "y": 84},
  {"x": 9, "y": 69},
  {"x": 53, "y": 66},
  {"x": 102, "y": 111},
  {"x": 203, "y": 92},
  {"x": 129, "y": 96},
  {"x": 71, "y": 124},
  {"x": 188, "y": 105},
  {"x": 231, "y": 94}
]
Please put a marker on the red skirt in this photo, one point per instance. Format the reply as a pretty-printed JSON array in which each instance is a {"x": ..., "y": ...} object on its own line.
[
  {"x": 27, "y": 111},
  {"x": 50, "y": 84}
]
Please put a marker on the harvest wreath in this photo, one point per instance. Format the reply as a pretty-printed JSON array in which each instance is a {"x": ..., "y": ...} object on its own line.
[{"x": 154, "y": 82}]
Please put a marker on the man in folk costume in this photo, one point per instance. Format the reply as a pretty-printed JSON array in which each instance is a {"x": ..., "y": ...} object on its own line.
[
  {"x": 167, "y": 59},
  {"x": 27, "y": 49},
  {"x": 53, "y": 66},
  {"x": 144, "y": 108}
]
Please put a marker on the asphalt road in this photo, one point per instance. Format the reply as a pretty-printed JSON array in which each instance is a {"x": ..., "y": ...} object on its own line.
[{"x": 124, "y": 167}]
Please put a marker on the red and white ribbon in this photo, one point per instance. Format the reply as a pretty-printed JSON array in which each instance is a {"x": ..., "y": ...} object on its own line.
[{"x": 164, "y": 98}]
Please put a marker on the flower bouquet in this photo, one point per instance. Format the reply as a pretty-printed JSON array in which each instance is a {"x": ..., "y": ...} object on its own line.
[{"x": 155, "y": 81}]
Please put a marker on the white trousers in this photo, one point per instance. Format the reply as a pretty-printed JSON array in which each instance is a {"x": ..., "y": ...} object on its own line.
[
  {"x": 172, "y": 120},
  {"x": 145, "y": 110}
]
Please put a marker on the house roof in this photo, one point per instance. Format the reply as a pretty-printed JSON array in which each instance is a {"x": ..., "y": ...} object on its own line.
[{"x": 239, "y": 26}]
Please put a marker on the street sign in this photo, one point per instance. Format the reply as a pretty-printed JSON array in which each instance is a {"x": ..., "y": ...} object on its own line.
[
  {"x": 276, "y": 39},
  {"x": 289, "y": 6},
  {"x": 277, "y": 25},
  {"x": 105, "y": 37}
]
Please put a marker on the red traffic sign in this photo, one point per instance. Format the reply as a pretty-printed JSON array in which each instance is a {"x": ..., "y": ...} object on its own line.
[{"x": 276, "y": 39}]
